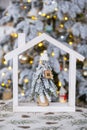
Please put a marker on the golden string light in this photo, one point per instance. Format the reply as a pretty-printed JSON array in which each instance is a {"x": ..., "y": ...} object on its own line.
[
  {"x": 26, "y": 80},
  {"x": 25, "y": 7},
  {"x": 40, "y": 62},
  {"x": 70, "y": 36},
  {"x": 41, "y": 53},
  {"x": 48, "y": 16},
  {"x": 39, "y": 33},
  {"x": 2, "y": 84},
  {"x": 4, "y": 62},
  {"x": 14, "y": 35},
  {"x": 7, "y": 86},
  {"x": 3, "y": 74},
  {"x": 56, "y": 9},
  {"x": 9, "y": 81},
  {"x": 6, "y": 14},
  {"x": 31, "y": 61},
  {"x": 59, "y": 84},
  {"x": 39, "y": 13},
  {"x": 65, "y": 69},
  {"x": 43, "y": 14},
  {"x": 28, "y": 1},
  {"x": 34, "y": 18},
  {"x": 9, "y": 68},
  {"x": 70, "y": 42},
  {"x": 58, "y": 92},
  {"x": 65, "y": 18},
  {"x": 65, "y": 58},
  {"x": 61, "y": 25},
  {"x": 52, "y": 54},
  {"x": 55, "y": 17},
  {"x": 22, "y": 93},
  {"x": 40, "y": 44}
]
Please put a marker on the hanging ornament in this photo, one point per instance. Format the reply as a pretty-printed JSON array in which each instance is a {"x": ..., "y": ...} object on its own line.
[
  {"x": 62, "y": 95},
  {"x": 85, "y": 68},
  {"x": 24, "y": 58},
  {"x": 49, "y": 26}
]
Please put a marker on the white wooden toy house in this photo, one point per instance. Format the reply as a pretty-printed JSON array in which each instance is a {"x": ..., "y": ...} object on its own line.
[{"x": 53, "y": 107}]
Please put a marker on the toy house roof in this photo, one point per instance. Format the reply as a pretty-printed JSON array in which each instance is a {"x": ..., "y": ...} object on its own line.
[{"x": 38, "y": 39}]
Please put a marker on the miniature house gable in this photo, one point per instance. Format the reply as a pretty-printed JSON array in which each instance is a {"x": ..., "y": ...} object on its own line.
[
  {"x": 35, "y": 41},
  {"x": 70, "y": 106}
]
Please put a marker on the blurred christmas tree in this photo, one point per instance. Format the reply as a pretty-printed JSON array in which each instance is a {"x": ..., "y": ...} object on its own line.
[{"x": 64, "y": 20}]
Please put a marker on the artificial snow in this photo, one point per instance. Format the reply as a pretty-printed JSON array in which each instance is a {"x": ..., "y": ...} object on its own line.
[{"x": 10, "y": 120}]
